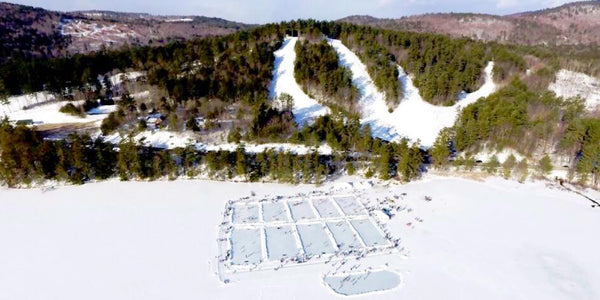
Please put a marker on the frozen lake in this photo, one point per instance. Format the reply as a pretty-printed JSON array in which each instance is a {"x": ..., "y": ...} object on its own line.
[{"x": 494, "y": 239}]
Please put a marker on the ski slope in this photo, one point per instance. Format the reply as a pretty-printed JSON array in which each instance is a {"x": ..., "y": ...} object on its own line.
[
  {"x": 305, "y": 108},
  {"x": 493, "y": 239},
  {"x": 569, "y": 84},
  {"x": 414, "y": 118},
  {"x": 419, "y": 120}
]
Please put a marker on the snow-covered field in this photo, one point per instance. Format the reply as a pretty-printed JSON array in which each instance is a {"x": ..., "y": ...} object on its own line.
[
  {"x": 305, "y": 108},
  {"x": 414, "y": 118},
  {"x": 571, "y": 84},
  {"x": 43, "y": 109},
  {"x": 495, "y": 239}
]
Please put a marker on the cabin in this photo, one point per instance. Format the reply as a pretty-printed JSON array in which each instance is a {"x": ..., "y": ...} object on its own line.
[{"x": 153, "y": 121}]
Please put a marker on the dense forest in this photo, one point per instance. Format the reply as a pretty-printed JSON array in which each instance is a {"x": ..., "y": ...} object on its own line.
[{"x": 318, "y": 72}]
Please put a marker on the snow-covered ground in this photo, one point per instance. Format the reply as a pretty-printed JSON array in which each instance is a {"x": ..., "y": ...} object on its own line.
[
  {"x": 305, "y": 108},
  {"x": 43, "y": 109},
  {"x": 165, "y": 139},
  {"x": 571, "y": 84},
  {"x": 495, "y": 239},
  {"x": 414, "y": 118},
  {"x": 97, "y": 33},
  {"x": 117, "y": 79}
]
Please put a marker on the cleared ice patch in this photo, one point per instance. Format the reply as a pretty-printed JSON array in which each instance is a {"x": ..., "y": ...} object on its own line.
[
  {"x": 364, "y": 282},
  {"x": 274, "y": 212},
  {"x": 370, "y": 235},
  {"x": 344, "y": 236},
  {"x": 325, "y": 208},
  {"x": 245, "y": 213},
  {"x": 350, "y": 206},
  {"x": 281, "y": 242},
  {"x": 301, "y": 210},
  {"x": 245, "y": 246},
  {"x": 315, "y": 240}
]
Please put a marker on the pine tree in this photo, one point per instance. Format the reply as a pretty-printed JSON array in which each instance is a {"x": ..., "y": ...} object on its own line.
[
  {"x": 491, "y": 166},
  {"x": 508, "y": 165},
  {"x": 522, "y": 170},
  {"x": 544, "y": 166},
  {"x": 440, "y": 151}
]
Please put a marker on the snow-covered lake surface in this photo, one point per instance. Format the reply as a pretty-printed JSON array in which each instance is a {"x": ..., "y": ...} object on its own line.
[
  {"x": 569, "y": 84},
  {"x": 495, "y": 239},
  {"x": 414, "y": 118},
  {"x": 305, "y": 108}
]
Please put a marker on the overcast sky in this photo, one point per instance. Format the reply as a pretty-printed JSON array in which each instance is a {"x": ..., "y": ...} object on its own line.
[{"x": 264, "y": 11}]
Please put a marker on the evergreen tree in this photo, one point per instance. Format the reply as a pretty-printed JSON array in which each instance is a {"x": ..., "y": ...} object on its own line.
[
  {"x": 491, "y": 166},
  {"x": 240, "y": 160},
  {"x": 544, "y": 166},
  {"x": 508, "y": 165}
]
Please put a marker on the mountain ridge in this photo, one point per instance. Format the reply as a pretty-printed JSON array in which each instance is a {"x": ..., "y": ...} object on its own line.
[
  {"x": 576, "y": 23},
  {"x": 34, "y": 31}
]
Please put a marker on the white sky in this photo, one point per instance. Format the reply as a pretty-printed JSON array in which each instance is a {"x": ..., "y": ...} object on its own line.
[{"x": 264, "y": 11}]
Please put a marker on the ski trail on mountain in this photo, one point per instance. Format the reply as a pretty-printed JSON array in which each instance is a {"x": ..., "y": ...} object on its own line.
[
  {"x": 414, "y": 118},
  {"x": 305, "y": 109}
]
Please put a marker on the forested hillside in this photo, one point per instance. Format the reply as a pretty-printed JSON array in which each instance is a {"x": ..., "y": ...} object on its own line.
[
  {"x": 33, "y": 31},
  {"x": 205, "y": 84},
  {"x": 574, "y": 23},
  {"x": 318, "y": 71}
]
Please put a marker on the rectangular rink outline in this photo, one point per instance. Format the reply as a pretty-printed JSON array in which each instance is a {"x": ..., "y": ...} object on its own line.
[
  {"x": 350, "y": 206},
  {"x": 245, "y": 213},
  {"x": 312, "y": 235},
  {"x": 274, "y": 212},
  {"x": 369, "y": 233},
  {"x": 326, "y": 208},
  {"x": 246, "y": 246},
  {"x": 301, "y": 210},
  {"x": 281, "y": 242},
  {"x": 345, "y": 237},
  {"x": 315, "y": 240}
]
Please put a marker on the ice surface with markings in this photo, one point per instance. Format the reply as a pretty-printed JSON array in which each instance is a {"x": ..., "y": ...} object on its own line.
[{"x": 276, "y": 232}]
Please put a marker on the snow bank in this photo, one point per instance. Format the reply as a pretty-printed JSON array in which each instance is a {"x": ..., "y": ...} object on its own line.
[
  {"x": 277, "y": 147},
  {"x": 486, "y": 154},
  {"x": 162, "y": 139},
  {"x": 414, "y": 118},
  {"x": 571, "y": 84},
  {"x": 305, "y": 108},
  {"x": 165, "y": 139}
]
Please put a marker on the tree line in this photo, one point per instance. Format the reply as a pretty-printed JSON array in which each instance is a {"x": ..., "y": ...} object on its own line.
[{"x": 26, "y": 158}]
